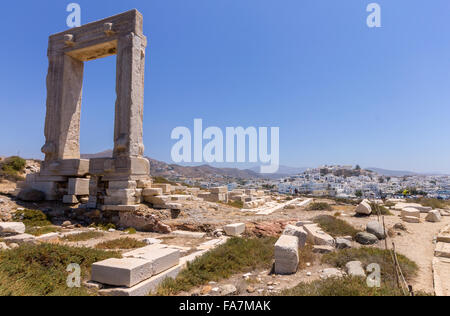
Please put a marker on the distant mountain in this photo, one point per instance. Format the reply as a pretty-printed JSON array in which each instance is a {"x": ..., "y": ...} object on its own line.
[
  {"x": 392, "y": 173},
  {"x": 104, "y": 154},
  {"x": 162, "y": 169}
]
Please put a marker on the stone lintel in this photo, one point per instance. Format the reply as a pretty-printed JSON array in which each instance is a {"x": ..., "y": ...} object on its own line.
[{"x": 87, "y": 39}]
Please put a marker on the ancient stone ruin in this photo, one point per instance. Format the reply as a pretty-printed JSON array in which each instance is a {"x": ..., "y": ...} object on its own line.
[{"x": 112, "y": 184}]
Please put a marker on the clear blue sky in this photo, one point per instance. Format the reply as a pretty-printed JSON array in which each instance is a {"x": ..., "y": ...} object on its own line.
[{"x": 339, "y": 91}]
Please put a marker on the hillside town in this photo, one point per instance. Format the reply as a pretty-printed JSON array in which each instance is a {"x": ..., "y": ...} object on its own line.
[{"x": 330, "y": 180}]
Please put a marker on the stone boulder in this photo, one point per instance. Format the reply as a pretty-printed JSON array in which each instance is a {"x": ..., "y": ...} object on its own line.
[
  {"x": 299, "y": 232},
  {"x": 342, "y": 243},
  {"x": 12, "y": 228},
  {"x": 411, "y": 219},
  {"x": 365, "y": 238},
  {"x": 31, "y": 195},
  {"x": 286, "y": 255},
  {"x": 235, "y": 230},
  {"x": 433, "y": 216},
  {"x": 317, "y": 236},
  {"x": 376, "y": 228},
  {"x": 355, "y": 269},
  {"x": 364, "y": 208}
]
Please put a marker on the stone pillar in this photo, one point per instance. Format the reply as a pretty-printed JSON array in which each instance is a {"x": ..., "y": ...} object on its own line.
[
  {"x": 69, "y": 140},
  {"x": 62, "y": 122},
  {"x": 128, "y": 131}
]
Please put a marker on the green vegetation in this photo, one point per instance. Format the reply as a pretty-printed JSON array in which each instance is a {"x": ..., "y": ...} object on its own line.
[
  {"x": 36, "y": 222},
  {"x": 39, "y": 231},
  {"x": 320, "y": 206},
  {"x": 380, "y": 209},
  {"x": 335, "y": 226},
  {"x": 130, "y": 231},
  {"x": 12, "y": 167},
  {"x": 348, "y": 286},
  {"x": 83, "y": 236},
  {"x": 341, "y": 287},
  {"x": 40, "y": 270},
  {"x": 345, "y": 201},
  {"x": 237, "y": 255},
  {"x": 235, "y": 204},
  {"x": 32, "y": 218},
  {"x": 368, "y": 256},
  {"x": 121, "y": 243}
]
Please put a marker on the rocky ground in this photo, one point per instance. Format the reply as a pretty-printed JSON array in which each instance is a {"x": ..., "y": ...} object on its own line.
[{"x": 416, "y": 241}]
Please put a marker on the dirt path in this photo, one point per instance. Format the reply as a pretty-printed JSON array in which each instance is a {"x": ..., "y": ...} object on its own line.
[{"x": 416, "y": 244}]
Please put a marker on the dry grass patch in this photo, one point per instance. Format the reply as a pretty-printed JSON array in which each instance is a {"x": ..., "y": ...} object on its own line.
[
  {"x": 368, "y": 255},
  {"x": 83, "y": 236},
  {"x": 40, "y": 270},
  {"x": 320, "y": 206},
  {"x": 334, "y": 226},
  {"x": 121, "y": 243},
  {"x": 237, "y": 255},
  {"x": 341, "y": 287}
]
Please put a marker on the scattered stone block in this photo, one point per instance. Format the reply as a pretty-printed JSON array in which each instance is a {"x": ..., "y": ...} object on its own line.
[
  {"x": 364, "y": 208},
  {"x": 161, "y": 259},
  {"x": 444, "y": 235},
  {"x": 299, "y": 232},
  {"x": 377, "y": 229},
  {"x": 411, "y": 219},
  {"x": 12, "y": 228},
  {"x": 409, "y": 211},
  {"x": 433, "y": 216},
  {"x": 355, "y": 269},
  {"x": 286, "y": 255},
  {"x": 318, "y": 237},
  {"x": 234, "y": 229},
  {"x": 442, "y": 250},
  {"x": 122, "y": 272},
  {"x": 144, "y": 288}
]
